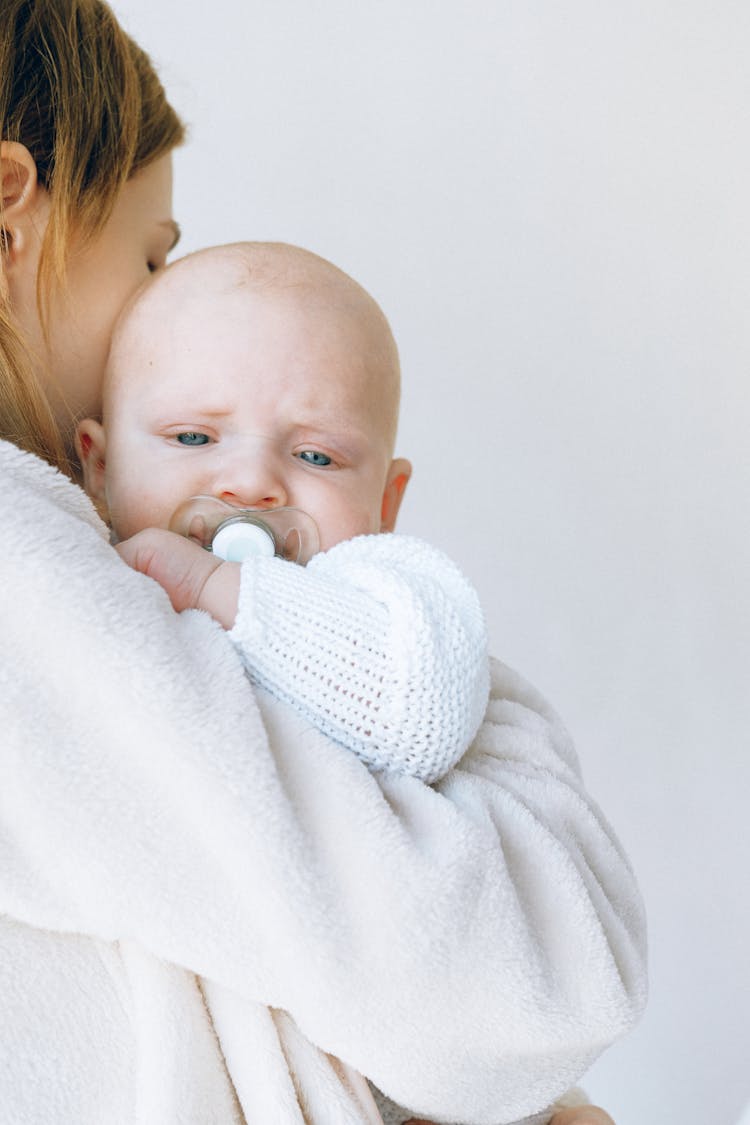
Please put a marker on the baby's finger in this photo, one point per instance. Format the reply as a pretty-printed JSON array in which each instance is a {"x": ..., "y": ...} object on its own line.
[
  {"x": 177, "y": 564},
  {"x": 582, "y": 1115}
]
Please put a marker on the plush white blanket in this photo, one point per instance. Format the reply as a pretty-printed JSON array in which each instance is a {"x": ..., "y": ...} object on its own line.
[{"x": 181, "y": 864}]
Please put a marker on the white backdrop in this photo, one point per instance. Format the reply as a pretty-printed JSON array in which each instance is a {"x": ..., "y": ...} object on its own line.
[{"x": 551, "y": 201}]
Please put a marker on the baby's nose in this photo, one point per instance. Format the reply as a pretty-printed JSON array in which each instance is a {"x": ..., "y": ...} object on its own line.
[{"x": 252, "y": 483}]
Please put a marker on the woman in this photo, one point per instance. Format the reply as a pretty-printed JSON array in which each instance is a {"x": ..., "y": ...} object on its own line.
[{"x": 181, "y": 869}]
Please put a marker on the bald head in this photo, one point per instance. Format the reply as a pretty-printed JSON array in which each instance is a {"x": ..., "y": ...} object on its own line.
[
  {"x": 282, "y": 277},
  {"x": 258, "y": 373}
]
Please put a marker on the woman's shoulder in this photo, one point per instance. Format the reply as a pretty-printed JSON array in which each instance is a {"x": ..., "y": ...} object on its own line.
[{"x": 30, "y": 490}]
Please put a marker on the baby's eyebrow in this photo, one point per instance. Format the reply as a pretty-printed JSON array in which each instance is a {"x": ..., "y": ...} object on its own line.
[
  {"x": 208, "y": 410},
  {"x": 191, "y": 416}
]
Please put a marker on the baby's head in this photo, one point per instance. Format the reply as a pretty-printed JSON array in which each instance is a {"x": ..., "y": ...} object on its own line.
[{"x": 257, "y": 373}]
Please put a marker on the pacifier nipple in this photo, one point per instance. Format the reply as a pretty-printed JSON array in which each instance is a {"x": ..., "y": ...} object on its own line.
[{"x": 234, "y": 534}]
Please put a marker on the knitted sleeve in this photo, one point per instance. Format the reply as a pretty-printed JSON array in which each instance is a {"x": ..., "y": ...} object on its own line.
[{"x": 380, "y": 642}]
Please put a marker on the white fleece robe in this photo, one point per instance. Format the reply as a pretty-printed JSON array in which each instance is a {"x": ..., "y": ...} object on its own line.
[{"x": 183, "y": 863}]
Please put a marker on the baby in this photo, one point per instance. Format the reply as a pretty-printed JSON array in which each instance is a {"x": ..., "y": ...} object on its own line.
[{"x": 261, "y": 375}]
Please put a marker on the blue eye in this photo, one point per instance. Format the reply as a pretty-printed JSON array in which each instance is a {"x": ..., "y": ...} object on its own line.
[
  {"x": 192, "y": 438},
  {"x": 313, "y": 457}
]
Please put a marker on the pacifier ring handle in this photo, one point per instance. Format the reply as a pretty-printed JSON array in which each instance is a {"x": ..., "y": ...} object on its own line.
[{"x": 237, "y": 538}]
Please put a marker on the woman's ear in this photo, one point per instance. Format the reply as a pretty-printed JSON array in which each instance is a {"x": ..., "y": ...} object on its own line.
[
  {"x": 395, "y": 486},
  {"x": 90, "y": 446},
  {"x": 18, "y": 181}
]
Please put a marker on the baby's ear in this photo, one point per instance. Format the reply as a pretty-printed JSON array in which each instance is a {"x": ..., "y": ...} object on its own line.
[
  {"x": 90, "y": 445},
  {"x": 393, "y": 494}
]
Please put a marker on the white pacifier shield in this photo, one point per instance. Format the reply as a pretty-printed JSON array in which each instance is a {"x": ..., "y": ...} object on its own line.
[{"x": 236, "y": 541}]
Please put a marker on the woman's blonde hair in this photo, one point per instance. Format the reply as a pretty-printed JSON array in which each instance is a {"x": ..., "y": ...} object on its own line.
[{"x": 86, "y": 102}]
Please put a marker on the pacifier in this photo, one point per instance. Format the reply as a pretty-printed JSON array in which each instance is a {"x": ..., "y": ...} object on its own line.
[{"x": 234, "y": 534}]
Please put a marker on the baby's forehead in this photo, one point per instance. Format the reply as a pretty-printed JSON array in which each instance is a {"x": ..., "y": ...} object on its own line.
[{"x": 230, "y": 295}]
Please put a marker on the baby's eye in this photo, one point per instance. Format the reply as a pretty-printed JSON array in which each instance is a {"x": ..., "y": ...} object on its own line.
[
  {"x": 192, "y": 438},
  {"x": 313, "y": 457}
]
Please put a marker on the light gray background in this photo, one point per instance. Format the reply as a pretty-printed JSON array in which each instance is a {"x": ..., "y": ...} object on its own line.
[{"x": 550, "y": 200}]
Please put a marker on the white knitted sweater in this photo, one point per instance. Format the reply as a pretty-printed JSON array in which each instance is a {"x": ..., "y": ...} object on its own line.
[{"x": 380, "y": 642}]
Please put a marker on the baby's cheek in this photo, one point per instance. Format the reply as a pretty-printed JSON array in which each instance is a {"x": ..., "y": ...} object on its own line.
[
  {"x": 354, "y": 519},
  {"x": 132, "y": 511}
]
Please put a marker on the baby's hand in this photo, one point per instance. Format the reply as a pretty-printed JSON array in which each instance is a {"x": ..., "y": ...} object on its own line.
[
  {"x": 193, "y": 577},
  {"x": 580, "y": 1115}
]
